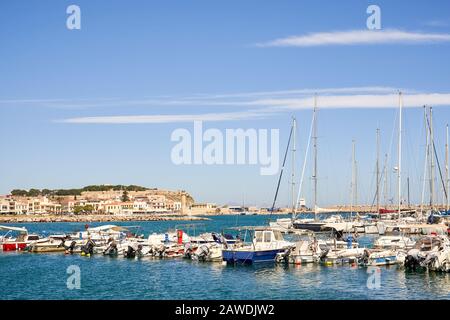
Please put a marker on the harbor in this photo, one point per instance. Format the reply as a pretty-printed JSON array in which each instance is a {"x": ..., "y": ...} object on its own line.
[
  {"x": 43, "y": 218},
  {"x": 215, "y": 158},
  {"x": 43, "y": 275}
]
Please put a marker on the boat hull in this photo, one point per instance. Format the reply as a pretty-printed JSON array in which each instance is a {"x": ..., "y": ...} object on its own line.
[
  {"x": 14, "y": 246},
  {"x": 316, "y": 227},
  {"x": 250, "y": 257}
]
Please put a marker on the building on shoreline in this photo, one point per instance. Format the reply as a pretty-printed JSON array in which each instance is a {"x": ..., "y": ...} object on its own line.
[{"x": 114, "y": 202}]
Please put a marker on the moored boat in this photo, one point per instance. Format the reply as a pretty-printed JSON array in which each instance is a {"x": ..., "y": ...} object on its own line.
[{"x": 265, "y": 245}]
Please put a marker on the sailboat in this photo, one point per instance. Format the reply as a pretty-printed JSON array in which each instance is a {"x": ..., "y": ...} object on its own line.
[
  {"x": 314, "y": 224},
  {"x": 285, "y": 224}
]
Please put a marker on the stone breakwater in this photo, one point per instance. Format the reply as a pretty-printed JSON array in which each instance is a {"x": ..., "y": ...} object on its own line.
[{"x": 95, "y": 218}]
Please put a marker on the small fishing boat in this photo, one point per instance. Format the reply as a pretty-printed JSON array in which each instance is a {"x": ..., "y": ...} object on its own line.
[
  {"x": 16, "y": 239},
  {"x": 54, "y": 243},
  {"x": 265, "y": 245},
  {"x": 208, "y": 252},
  {"x": 316, "y": 225},
  {"x": 303, "y": 252},
  {"x": 382, "y": 258},
  {"x": 429, "y": 253},
  {"x": 393, "y": 242}
]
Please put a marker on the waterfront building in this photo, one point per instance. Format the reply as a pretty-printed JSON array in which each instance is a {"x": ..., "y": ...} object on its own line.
[{"x": 202, "y": 208}]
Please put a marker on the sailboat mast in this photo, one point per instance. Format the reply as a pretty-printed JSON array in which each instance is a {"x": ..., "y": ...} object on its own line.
[
  {"x": 294, "y": 128},
  {"x": 447, "y": 171},
  {"x": 427, "y": 148},
  {"x": 353, "y": 179},
  {"x": 399, "y": 164},
  {"x": 432, "y": 160},
  {"x": 409, "y": 200},
  {"x": 315, "y": 156},
  {"x": 385, "y": 182},
  {"x": 378, "y": 170}
]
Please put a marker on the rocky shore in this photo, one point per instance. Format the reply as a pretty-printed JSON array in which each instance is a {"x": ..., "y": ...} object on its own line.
[{"x": 94, "y": 218}]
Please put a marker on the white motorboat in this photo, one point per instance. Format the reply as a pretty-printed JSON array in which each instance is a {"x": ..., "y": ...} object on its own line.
[
  {"x": 16, "y": 239},
  {"x": 383, "y": 257},
  {"x": 429, "y": 253},
  {"x": 393, "y": 242}
]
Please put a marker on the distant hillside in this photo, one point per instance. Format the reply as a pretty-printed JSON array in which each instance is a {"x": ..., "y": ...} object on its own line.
[{"x": 75, "y": 192}]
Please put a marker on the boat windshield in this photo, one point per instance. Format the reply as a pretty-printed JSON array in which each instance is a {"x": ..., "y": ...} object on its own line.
[
  {"x": 278, "y": 235},
  {"x": 258, "y": 236},
  {"x": 267, "y": 236}
]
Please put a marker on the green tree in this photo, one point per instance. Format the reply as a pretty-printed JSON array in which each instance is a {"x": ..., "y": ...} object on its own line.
[
  {"x": 34, "y": 192},
  {"x": 125, "y": 196},
  {"x": 46, "y": 192},
  {"x": 78, "y": 209},
  {"x": 19, "y": 193},
  {"x": 89, "y": 208}
]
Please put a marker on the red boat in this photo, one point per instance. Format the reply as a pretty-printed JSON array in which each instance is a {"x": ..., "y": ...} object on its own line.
[
  {"x": 16, "y": 239},
  {"x": 385, "y": 211}
]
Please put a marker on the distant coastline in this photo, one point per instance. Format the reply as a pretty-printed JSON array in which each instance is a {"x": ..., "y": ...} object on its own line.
[{"x": 33, "y": 218}]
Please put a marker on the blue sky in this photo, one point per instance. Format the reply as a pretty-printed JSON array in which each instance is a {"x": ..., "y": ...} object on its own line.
[{"x": 153, "y": 58}]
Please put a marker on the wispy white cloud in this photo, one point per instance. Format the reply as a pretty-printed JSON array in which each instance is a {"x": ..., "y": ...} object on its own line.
[
  {"x": 358, "y": 37},
  {"x": 193, "y": 100},
  {"x": 358, "y": 101},
  {"x": 263, "y": 108},
  {"x": 164, "y": 118}
]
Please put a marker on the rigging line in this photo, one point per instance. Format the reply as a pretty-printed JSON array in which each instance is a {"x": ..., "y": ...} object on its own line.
[
  {"x": 281, "y": 173},
  {"x": 437, "y": 160},
  {"x": 304, "y": 167}
]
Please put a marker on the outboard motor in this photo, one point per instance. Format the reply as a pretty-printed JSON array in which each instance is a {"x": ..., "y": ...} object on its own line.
[
  {"x": 69, "y": 249},
  {"x": 286, "y": 254},
  {"x": 88, "y": 248},
  {"x": 411, "y": 263},
  {"x": 432, "y": 219},
  {"x": 130, "y": 253},
  {"x": 111, "y": 250},
  {"x": 188, "y": 250},
  {"x": 364, "y": 258},
  {"x": 202, "y": 253},
  {"x": 139, "y": 252},
  {"x": 160, "y": 251}
]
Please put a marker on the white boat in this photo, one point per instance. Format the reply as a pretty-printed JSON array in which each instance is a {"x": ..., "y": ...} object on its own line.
[
  {"x": 16, "y": 239},
  {"x": 393, "y": 242},
  {"x": 383, "y": 257},
  {"x": 209, "y": 252},
  {"x": 429, "y": 253},
  {"x": 283, "y": 224}
]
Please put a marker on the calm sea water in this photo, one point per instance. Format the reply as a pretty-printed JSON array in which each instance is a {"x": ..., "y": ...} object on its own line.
[{"x": 44, "y": 276}]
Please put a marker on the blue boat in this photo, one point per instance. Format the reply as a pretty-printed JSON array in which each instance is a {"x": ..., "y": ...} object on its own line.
[{"x": 266, "y": 244}]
